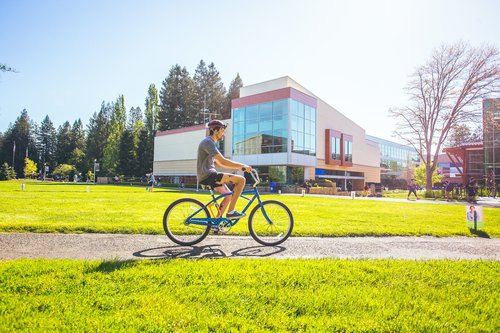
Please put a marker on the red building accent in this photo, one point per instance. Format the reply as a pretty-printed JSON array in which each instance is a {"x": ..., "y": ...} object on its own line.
[
  {"x": 329, "y": 135},
  {"x": 273, "y": 96},
  {"x": 345, "y": 137}
]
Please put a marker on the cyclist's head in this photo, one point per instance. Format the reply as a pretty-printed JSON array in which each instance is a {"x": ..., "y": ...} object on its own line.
[{"x": 215, "y": 125}]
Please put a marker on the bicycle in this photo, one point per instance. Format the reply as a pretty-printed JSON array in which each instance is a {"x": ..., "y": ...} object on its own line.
[{"x": 188, "y": 221}]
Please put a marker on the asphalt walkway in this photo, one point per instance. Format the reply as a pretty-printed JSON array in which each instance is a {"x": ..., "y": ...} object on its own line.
[{"x": 124, "y": 247}]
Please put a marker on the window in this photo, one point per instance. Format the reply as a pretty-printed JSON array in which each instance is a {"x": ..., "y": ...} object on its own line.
[
  {"x": 335, "y": 148},
  {"x": 347, "y": 150},
  {"x": 262, "y": 130}
]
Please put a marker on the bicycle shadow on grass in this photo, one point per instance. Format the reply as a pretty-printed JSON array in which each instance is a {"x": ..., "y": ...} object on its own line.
[{"x": 211, "y": 251}]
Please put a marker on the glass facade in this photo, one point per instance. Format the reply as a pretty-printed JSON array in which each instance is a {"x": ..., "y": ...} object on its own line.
[
  {"x": 394, "y": 156},
  {"x": 335, "y": 148},
  {"x": 263, "y": 128},
  {"x": 303, "y": 128},
  {"x": 491, "y": 135}
]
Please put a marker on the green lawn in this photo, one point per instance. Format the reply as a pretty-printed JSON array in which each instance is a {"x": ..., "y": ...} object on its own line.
[
  {"x": 57, "y": 207},
  {"x": 250, "y": 295}
]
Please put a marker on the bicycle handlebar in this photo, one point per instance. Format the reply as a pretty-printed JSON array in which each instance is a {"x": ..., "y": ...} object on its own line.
[{"x": 255, "y": 176}]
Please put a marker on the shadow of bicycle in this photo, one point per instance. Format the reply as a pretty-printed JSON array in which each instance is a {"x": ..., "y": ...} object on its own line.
[{"x": 212, "y": 251}]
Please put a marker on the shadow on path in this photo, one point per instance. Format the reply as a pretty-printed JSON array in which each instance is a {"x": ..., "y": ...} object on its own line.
[{"x": 212, "y": 251}]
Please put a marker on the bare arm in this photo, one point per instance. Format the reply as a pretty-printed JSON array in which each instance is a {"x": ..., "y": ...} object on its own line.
[{"x": 227, "y": 163}]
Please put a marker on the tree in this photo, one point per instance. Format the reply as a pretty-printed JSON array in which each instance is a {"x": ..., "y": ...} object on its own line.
[
  {"x": 445, "y": 92},
  {"x": 116, "y": 128},
  {"x": 462, "y": 133},
  {"x": 6, "y": 68},
  {"x": 98, "y": 129},
  {"x": 177, "y": 100},
  {"x": 421, "y": 176},
  {"x": 210, "y": 93},
  {"x": 79, "y": 147},
  {"x": 145, "y": 145},
  {"x": 19, "y": 142},
  {"x": 145, "y": 153},
  {"x": 65, "y": 143},
  {"x": 152, "y": 110},
  {"x": 29, "y": 168},
  {"x": 46, "y": 142},
  {"x": 64, "y": 170},
  {"x": 127, "y": 155},
  {"x": 7, "y": 172},
  {"x": 233, "y": 93}
]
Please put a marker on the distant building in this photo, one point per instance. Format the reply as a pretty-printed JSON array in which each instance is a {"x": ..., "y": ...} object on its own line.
[
  {"x": 396, "y": 159},
  {"x": 480, "y": 159},
  {"x": 491, "y": 136}
]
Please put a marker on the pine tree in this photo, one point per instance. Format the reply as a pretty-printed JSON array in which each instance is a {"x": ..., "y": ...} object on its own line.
[
  {"x": 65, "y": 144},
  {"x": 98, "y": 129},
  {"x": 22, "y": 133},
  {"x": 177, "y": 100},
  {"x": 127, "y": 160},
  {"x": 79, "y": 148},
  {"x": 116, "y": 128},
  {"x": 47, "y": 142},
  {"x": 233, "y": 93},
  {"x": 216, "y": 93},
  {"x": 210, "y": 90},
  {"x": 145, "y": 153}
]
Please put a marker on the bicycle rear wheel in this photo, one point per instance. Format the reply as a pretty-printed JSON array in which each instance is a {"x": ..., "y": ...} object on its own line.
[
  {"x": 274, "y": 229},
  {"x": 176, "y": 221}
]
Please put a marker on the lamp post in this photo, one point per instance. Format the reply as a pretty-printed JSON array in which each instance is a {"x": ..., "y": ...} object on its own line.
[{"x": 96, "y": 168}]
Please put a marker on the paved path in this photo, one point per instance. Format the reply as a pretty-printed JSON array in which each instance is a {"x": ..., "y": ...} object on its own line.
[{"x": 118, "y": 246}]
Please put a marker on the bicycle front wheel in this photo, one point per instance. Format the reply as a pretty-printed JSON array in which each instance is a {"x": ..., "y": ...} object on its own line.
[
  {"x": 177, "y": 221},
  {"x": 270, "y": 223}
]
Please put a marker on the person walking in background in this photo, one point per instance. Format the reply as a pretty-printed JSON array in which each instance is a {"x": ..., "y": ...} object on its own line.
[
  {"x": 412, "y": 188},
  {"x": 471, "y": 190},
  {"x": 151, "y": 183},
  {"x": 448, "y": 190}
]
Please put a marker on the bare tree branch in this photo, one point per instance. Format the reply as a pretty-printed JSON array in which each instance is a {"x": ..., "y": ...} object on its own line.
[{"x": 444, "y": 93}]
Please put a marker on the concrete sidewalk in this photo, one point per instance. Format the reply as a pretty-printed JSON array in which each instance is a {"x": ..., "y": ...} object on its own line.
[{"x": 118, "y": 246}]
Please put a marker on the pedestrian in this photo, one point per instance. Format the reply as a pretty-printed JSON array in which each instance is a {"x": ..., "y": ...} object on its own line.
[
  {"x": 471, "y": 190},
  {"x": 448, "y": 190},
  {"x": 151, "y": 182},
  {"x": 412, "y": 188},
  {"x": 349, "y": 186}
]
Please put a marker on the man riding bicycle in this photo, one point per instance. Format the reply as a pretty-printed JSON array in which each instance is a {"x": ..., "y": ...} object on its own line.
[{"x": 208, "y": 175}]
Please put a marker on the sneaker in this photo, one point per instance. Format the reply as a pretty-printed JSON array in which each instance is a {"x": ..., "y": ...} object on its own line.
[{"x": 235, "y": 215}]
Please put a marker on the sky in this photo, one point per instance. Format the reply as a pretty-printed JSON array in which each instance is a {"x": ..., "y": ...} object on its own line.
[{"x": 357, "y": 56}]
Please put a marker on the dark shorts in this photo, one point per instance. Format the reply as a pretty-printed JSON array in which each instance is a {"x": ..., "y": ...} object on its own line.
[{"x": 212, "y": 179}]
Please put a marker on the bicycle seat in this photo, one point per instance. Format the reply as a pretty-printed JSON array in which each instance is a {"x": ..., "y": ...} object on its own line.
[{"x": 206, "y": 187}]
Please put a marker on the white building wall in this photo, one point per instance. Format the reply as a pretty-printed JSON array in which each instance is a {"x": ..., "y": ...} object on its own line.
[{"x": 363, "y": 152}]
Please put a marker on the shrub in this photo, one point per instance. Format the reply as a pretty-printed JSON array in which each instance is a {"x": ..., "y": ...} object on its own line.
[{"x": 7, "y": 172}]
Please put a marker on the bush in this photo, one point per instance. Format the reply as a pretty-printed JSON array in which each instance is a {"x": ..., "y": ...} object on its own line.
[
  {"x": 429, "y": 194},
  {"x": 7, "y": 172}
]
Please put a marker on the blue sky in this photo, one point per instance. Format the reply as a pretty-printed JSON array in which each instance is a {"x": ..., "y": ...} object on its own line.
[{"x": 355, "y": 55}]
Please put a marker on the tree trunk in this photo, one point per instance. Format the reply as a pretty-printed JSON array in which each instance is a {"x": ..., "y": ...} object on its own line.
[{"x": 428, "y": 178}]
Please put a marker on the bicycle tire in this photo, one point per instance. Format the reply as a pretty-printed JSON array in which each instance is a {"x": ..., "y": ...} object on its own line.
[
  {"x": 175, "y": 226},
  {"x": 274, "y": 233}
]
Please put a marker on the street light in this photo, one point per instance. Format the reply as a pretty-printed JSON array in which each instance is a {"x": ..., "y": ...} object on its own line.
[{"x": 96, "y": 168}]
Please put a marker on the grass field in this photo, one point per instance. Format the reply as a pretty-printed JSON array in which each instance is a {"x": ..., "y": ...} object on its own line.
[
  {"x": 250, "y": 295},
  {"x": 57, "y": 207}
]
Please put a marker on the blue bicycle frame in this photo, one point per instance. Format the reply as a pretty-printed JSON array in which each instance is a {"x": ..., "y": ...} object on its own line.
[{"x": 216, "y": 221}]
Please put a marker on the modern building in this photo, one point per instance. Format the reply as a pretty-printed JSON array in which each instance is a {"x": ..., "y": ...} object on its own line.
[
  {"x": 287, "y": 133},
  {"x": 491, "y": 137},
  {"x": 480, "y": 160},
  {"x": 396, "y": 160}
]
